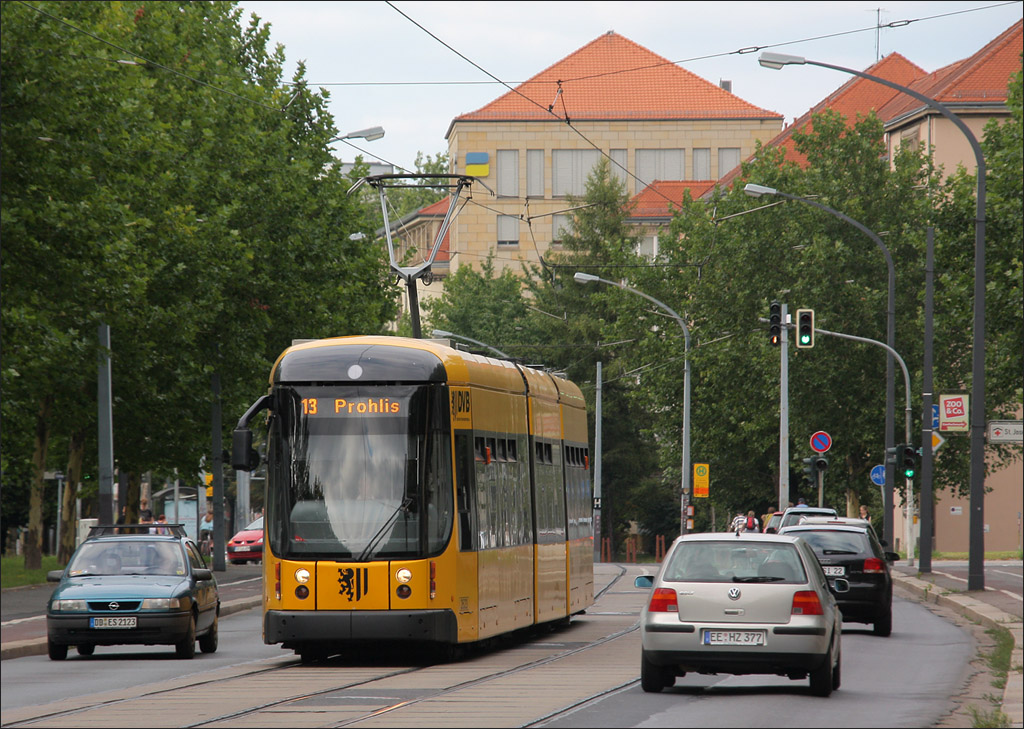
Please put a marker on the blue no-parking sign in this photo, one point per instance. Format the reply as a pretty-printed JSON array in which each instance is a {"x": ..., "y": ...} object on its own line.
[{"x": 821, "y": 441}]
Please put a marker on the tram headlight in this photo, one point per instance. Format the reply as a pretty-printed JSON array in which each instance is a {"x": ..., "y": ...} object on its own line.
[
  {"x": 403, "y": 591},
  {"x": 403, "y": 575},
  {"x": 302, "y": 575},
  {"x": 302, "y": 592}
]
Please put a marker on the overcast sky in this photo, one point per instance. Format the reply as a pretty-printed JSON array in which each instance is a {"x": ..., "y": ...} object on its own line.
[{"x": 409, "y": 66}]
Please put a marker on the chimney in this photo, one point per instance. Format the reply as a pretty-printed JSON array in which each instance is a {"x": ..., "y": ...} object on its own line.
[{"x": 727, "y": 85}]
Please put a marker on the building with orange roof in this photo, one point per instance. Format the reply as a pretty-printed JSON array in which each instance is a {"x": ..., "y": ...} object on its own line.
[
  {"x": 974, "y": 89},
  {"x": 857, "y": 96},
  {"x": 536, "y": 144}
]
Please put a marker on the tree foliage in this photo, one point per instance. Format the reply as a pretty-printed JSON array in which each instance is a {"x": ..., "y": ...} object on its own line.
[{"x": 161, "y": 177}]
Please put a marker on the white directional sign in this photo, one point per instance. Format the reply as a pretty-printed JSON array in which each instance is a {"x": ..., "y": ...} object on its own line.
[{"x": 1005, "y": 431}]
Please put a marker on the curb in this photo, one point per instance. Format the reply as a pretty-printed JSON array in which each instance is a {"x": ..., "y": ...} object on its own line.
[
  {"x": 37, "y": 646},
  {"x": 990, "y": 617}
]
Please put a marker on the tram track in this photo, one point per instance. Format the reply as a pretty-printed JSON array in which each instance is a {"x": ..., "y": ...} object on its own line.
[{"x": 359, "y": 690}]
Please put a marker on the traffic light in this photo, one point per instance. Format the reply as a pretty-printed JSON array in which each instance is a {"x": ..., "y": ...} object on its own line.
[
  {"x": 907, "y": 455},
  {"x": 804, "y": 328},
  {"x": 775, "y": 324},
  {"x": 820, "y": 463},
  {"x": 809, "y": 470}
]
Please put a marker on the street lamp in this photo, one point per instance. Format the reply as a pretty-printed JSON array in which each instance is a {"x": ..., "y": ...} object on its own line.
[
  {"x": 976, "y": 549},
  {"x": 587, "y": 278},
  {"x": 440, "y": 333},
  {"x": 370, "y": 135},
  {"x": 890, "y": 335}
]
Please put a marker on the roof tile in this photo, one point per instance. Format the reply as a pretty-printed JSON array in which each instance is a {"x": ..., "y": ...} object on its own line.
[
  {"x": 614, "y": 78},
  {"x": 653, "y": 201}
]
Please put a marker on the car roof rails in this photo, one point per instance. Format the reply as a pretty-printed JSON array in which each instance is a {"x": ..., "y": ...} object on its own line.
[{"x": 104, "y": 530}]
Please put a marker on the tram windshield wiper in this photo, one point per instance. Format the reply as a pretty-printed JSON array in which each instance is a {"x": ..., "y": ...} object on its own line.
[{"x": 404, "y": 506}]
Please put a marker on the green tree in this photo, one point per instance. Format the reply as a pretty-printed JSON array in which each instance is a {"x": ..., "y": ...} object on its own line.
[
  {"x": 580, "y": 326},
  {"x": 724, "y": 272},
  {"x": 184, "y": 200}
]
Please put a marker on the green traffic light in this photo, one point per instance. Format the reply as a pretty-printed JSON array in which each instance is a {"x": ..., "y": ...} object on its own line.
[{"x": 909, "y": 472}]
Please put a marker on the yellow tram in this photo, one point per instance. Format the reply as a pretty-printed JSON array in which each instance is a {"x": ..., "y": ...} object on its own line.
[{"x": 418, "y": 493}]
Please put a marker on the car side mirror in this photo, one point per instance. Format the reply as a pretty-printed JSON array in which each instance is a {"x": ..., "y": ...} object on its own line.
[
  {"x": 645, "y": 582},
  {"x": 840, "y": 585},
  {"x": 891, "y": 556},
  {"x": 201, "y": 573},
  {"x": 54, "y": 575}
]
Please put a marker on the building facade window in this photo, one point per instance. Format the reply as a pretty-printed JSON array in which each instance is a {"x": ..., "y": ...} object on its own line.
[
  {"x": 659, "y": 164},
  {"x": 535, "y": 173},
  {"x": 702, "y": 164},
  {"x": 620, "y": 164},
  {"x": 561, "y": 225},
  {"x": 570, "y": 169},
  {"x": 647, "y": 246},
  {"x": 508, "y": 230},
  {"x": 728, "y": 158},
  {"x": 508, "y": 173}
]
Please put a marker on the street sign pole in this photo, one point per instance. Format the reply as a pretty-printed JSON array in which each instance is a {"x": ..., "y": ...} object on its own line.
[{"x": 930, "y": 412}]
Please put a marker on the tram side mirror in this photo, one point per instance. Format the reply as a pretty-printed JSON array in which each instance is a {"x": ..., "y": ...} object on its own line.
[{"x": 243, "y": 456}]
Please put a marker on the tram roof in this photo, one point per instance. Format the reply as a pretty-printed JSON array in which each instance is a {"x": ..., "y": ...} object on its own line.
[{"x": 402, "y": 359}]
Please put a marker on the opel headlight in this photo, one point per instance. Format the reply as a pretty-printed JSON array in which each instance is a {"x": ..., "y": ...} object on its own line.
[
  {"x": 161, "y": 603},
  {"x": 69, "y": 606}
]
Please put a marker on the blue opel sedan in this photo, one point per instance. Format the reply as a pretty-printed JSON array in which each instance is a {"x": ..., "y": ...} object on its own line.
[{"x": 142, "y": 584}]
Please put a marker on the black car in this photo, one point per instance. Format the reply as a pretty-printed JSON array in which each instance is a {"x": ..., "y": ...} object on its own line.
[
  {"x": 854, "y": 553},
  {"x": 136, "y": 584}
]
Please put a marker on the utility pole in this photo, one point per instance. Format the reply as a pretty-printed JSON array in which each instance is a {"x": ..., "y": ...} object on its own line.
[
  {"x": 597, "y": 468},
  {"x": 784, "y": 414}
]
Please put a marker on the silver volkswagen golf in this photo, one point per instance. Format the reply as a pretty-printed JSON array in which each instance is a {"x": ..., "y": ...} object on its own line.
[{"x": 741, "y": 603}]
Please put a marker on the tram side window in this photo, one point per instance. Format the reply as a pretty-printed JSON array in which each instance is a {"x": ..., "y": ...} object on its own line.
[{"x": 464, "y": 457}]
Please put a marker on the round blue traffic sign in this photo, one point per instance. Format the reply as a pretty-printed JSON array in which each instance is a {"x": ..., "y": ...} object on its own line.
[
  {"x": 878, "y": 475},
  {"x": 821, "y": 441}
]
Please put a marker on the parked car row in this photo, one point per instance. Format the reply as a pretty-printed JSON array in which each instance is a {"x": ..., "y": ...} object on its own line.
[{"x": 765, "y": 603}]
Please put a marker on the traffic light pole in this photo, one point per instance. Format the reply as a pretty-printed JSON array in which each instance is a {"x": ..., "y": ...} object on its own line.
[{"x": 908, "y": 534}]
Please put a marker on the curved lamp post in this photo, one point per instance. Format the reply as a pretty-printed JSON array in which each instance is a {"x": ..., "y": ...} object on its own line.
[
  {"x": 976, "y": 551},
  {"x": 890, "y": 335},
  {"x": 587, "y": 278}
]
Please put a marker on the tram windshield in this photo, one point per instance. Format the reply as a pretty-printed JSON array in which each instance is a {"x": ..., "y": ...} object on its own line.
[{"x": 359, "y": 472}]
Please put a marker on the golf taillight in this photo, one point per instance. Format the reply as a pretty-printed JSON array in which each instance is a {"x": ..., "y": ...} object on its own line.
[
  {"x": 806, "y": 602},
  {"x": 874, "y": 565},
  {"x": 663, "y": 601}
]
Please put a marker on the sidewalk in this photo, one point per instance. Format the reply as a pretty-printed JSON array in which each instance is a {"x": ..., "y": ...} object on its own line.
[{"x": 976, "y": 606}]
